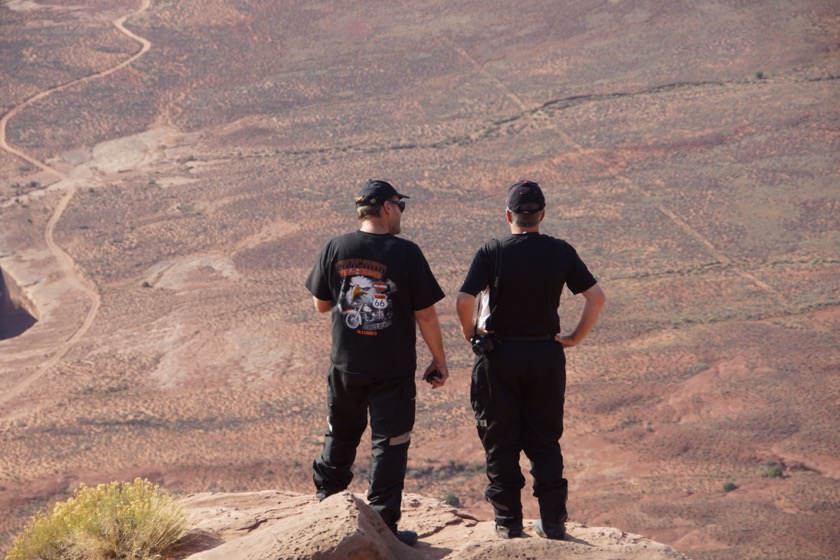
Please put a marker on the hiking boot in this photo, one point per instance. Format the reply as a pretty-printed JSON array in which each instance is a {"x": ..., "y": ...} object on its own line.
[
  {"x": 553, "y": 531},
  {"x": 406, "y": 537},
  {"x": 508, "y": 526},
  {"x": 506, "y": 532}
]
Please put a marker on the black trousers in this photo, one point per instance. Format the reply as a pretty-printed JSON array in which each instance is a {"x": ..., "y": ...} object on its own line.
[
  {"x": 390, "y": 402},
  {"x": 517, "y": 395}
]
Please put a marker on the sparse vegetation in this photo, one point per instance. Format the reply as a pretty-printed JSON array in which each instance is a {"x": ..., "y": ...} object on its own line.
[
  {"x": 709, "y": 212},
  {"x": 452, "y": 500},
  {"x": 629, "y": 422},
  {"x": 445, "y": 472},
  {"x": 120, "y": 520},
  {"x": 729, "y": 487},
  {"x": 774, "y": 470}
]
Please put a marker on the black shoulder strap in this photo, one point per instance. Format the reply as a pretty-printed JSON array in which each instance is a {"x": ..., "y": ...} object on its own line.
[{"x": 498, "y": 268}]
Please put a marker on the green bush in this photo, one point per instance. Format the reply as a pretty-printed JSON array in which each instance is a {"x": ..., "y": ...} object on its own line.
[
  {"x": 120, "y": 520},
  {"x": 774, "y": 470},
  {"x": 729, "y": 487},
  {"x": 452, "y": 500}
]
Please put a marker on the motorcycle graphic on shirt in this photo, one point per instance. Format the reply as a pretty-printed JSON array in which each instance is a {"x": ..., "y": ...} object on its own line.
[{"x": 365, "y": 295}]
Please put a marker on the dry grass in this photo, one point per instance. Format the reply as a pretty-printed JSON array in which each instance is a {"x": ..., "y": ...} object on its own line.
[{"x": 121, "y": 521}]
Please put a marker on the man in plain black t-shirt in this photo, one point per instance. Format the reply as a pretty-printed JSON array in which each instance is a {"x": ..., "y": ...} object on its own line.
[
  {"x": 519, "y": 375},
  {"x": 377, "y": 287}
]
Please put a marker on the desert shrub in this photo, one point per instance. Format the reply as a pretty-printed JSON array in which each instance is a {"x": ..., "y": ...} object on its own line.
[
  {"x": 119, "y": 520},
  {"x": 774, "y": 470},
  {"x": 452, "y": 500},
  {"x": 729, "y": 487}
]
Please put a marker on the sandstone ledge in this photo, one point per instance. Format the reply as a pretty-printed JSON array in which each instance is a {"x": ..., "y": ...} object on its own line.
[{"x": 273, "y": 525}]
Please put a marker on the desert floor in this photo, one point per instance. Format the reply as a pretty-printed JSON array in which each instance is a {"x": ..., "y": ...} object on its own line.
[{"x": 170, "y": 169}]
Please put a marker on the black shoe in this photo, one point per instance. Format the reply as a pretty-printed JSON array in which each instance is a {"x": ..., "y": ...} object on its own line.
[
  {"x": 324, "y": 494},
  {"x": 508, "y": 526},
  {"x": 508, "y": 532},
  {"x": 407, "y": 537},
  {"x": 555, "y": 531}
]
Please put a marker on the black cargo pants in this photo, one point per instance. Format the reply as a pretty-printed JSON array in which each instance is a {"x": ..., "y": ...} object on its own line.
[
  {"x": 517, "y": 395},
  {"x": 391, "y": 403}
]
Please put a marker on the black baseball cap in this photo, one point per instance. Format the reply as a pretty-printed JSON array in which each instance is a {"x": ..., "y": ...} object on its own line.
[
  {"x": 525, "y": 197},
  {"x": 375, "y": 191}
]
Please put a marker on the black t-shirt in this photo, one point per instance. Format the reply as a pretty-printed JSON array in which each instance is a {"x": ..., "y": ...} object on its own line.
[
  {"x": 376, "y": 282},
  {"x": 534, "y": 268}
]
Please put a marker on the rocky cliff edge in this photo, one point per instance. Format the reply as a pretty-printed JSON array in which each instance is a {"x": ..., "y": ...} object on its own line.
[{"x": 273, "y": 525}]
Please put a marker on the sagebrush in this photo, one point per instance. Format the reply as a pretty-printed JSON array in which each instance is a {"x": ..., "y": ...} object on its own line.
[{"x": 120, "y": 521}]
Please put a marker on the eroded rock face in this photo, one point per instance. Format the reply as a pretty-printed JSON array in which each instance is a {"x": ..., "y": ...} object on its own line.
[
  {"x": 341, "y": 527},
  {"x": 270, "y": 525},
  {"x": 17, "y": 313}
]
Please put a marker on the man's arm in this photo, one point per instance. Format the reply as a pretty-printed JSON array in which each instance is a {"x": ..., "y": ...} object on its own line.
[
  {"x": 595, "y": 300},
  {"x": 465, "y": 306},
  {"x": 322, "y": 305},
  {"x": 427, "y": 321}
]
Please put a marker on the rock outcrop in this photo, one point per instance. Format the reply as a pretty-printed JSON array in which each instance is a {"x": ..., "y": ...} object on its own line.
[
  {"x": 273, "y": 525},
  {"x": 17, "y": 313}
]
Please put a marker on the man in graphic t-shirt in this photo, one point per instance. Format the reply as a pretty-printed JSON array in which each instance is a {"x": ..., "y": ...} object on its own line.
[
  {"x": 377, "y": 287},
  {"x": 519, "y": 375}
]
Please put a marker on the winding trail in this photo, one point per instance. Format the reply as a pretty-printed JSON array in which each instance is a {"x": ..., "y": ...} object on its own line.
[{"x": 65, "y": 261}]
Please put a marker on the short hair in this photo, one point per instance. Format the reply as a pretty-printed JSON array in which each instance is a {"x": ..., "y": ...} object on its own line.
[
  {"x": 367, "y": 210},
  {"x": 526, "y": 220}
]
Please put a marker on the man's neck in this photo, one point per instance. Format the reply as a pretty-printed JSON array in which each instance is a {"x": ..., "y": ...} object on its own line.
[
  {"x": 373, "y": 226},
  {"x": 516, "y": 230}
]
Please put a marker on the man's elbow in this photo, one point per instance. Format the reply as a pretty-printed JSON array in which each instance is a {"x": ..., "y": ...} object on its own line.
[
  {"x": 464, "y": 301},
  {"x": 426, "y": 314},
  {"x": 595, "y": 296}
]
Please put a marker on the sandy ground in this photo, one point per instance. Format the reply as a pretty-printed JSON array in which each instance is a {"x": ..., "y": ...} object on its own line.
[{"x": 163, "y": 239}]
